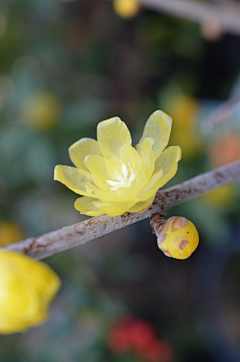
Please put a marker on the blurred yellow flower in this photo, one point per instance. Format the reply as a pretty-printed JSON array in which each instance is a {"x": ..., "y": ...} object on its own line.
[
  {"x": 184, "y": 109},
  {"x": 178, "y": 237},
  {"x": 10, "y": 232},
  {"x": 222, "y": 197},
  {"x": 115, "y": 177},
  {"x": 41, "y": 111},
  {"x": 27, "y": 287},
  {"x": 126, "y": 8}
]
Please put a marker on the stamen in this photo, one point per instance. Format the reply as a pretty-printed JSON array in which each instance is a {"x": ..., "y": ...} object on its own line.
[
  {"x": 130, "y": 167},
  {"x": 112, "y": 183},
  {"x": 132, "y": 177},
  {"x": 123, "y": 180},
  {"x": 124, "y": 170}
]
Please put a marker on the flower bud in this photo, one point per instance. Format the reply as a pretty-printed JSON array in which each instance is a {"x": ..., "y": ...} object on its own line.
[
  {"x": 27, "y": 287},
  {"x": 177, "y": 237},
  {"x": 126, "y": 8}
]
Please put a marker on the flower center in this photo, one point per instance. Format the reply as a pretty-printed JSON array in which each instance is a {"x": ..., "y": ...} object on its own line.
[{"x": 123, "y": 179}]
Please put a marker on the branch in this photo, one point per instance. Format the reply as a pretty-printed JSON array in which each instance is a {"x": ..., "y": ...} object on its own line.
[
  {"x": 78, "y": 234},
  {"x": 226, "y": 15},
  {"x": 221, "y": 114}
]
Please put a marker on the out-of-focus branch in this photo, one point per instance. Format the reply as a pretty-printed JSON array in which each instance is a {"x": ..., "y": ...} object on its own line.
[
  {"x": 226, "y": 14},
  {"x": 74, "y": 235},
  {"x": 231, "y": 2},
  {"x": 221, "y": 114}
]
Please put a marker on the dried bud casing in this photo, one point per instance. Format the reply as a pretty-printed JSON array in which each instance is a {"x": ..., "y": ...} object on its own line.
[{"x": 177, "y": 237}]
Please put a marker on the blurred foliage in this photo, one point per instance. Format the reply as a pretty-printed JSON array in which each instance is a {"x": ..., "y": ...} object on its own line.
[{"x": 65, "y": 66}]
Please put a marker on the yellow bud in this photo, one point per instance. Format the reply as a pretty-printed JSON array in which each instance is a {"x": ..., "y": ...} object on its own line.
[
  {"x": 126, "y": 8},
  {"x": 10, "y": 232},
  {"x": 27, "y": 287},
  {"x": 177, "y": 237}
]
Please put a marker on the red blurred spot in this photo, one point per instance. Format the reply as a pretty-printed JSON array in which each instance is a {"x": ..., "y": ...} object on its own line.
[
  {"x": 119, "y": 341},
  {"x": 225, "y": 149},
  {"x": 137, "y": 336},
  {"x": 159, "y": 351},
  {"x": 142, "y": 334}
]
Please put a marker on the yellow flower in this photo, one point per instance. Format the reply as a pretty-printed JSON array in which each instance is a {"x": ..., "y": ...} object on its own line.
[
  {"x": 115, "y": 177},
  {"x": 10, "y": 232},
  {"x": 222, "y": 197},
  {"x": 178, "y": 237},
  {"x": 184, "y": 110},
  {"x": 41, "y": 111},
  {"x": 27, "y": 287},
  {"x": 126, "y": 8}
]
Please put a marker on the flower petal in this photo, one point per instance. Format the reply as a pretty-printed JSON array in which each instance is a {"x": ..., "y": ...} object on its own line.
[
  {"x": 158, "y": 127},
  {"x": 85, "y": 206},
  {"x": 130, "y": 157},
  {"x": 74, "y": 178},
  {"x": 122, "y": 194},
  {"x": 9, "y": 325},
  {"x": 112, "y": 134},
  {"x": 114, "y": 168},
  {"x": 97, "y": 166},
  {"x": 147, "y": 156},
  {"x": 80, "y": 149},
  {"x": 93, "y": 207},
  {"x": 151, "y": 188},
  {"x": 168, "y": 163},
  {"x": 113, "y": 208},
  {"x": 165, "y": 168},
  {"x": 141, "y": 205}
]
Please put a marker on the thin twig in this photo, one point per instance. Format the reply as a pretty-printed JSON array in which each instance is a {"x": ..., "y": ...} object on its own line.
[
  {"x": 231, "y": 2},
  {"x": 226, "y": 15},
  {"x": 74, "y": 235},
  {"x": 221, "y": 114}
]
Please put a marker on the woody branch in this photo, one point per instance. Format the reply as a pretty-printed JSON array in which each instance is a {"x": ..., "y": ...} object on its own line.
[
  {"x": 225, "y": 13},
  {"x": 70, "y": 236},
  {"x": 221, "y": 114}
]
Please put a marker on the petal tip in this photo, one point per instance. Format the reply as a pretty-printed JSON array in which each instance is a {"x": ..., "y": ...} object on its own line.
[
  {"x": 109, "y": 120},
  {"x": 55, "y": 173},
  {"x": 179, "y": 156},
  {"x": 164, "y": 116}
]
